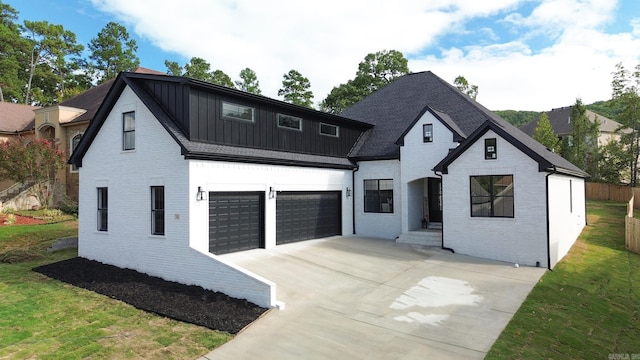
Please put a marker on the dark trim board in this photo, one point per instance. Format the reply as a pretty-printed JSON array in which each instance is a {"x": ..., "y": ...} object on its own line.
[
  {"x": 236, "y": 221},
  {"x": 305, "y": 215}
]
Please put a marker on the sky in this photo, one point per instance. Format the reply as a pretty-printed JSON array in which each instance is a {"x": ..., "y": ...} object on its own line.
[{"x": 531, "y": 55}]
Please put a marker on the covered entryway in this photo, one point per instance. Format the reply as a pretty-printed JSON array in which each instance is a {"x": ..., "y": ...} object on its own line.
[
  {"x": 236, "y": 221},
  {"x": 435, "y": 199},
  {"x": 307, "y": 215}
]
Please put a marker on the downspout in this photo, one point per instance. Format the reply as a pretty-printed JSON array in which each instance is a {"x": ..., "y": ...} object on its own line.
[
  {"x": 353, "y": 198},
  {"x": 442, "y": 233},
  {"x": 546, "y": 184}
]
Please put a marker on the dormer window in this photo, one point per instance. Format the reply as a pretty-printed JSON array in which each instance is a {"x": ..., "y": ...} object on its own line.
[
  {"x": 490, "y": 151},
  {"x": 427, "y": 133},
  {"x": 289, "y": 122},
  {"x": 329, "y": 130},
  {"x": 237, "y": 112}
]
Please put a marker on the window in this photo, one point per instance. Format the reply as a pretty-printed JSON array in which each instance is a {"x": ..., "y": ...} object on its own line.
[
  {"x": 157, "y": 210},
  {"x": 74, "y": 144},
  {"x": 378, "y": 196},
  {"x": 490, "y": 151},
  {"x": 129, "y": 131},
  {"x": 328, "y": 130},
  {"x": 427, "y": 133},
  {"x": 102, "y": 209},
  {"x": 237, "y": 112},
  {"x": 289, "y": 122},
  {"x": 492, "y": 196},
  {"x": 570, "y": 196}
]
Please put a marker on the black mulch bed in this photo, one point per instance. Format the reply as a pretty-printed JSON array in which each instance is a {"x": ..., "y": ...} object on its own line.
[{"x": 187, "y": 303}]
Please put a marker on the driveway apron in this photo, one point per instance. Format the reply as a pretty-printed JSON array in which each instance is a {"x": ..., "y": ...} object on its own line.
[{"x": 349, "y": 297}]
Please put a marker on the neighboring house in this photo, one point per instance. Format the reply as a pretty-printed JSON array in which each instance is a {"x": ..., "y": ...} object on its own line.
[
  {"x": 175, "y": 172},
  {"x": 560, "y": 119},
  {"x": 15, "y": 120}
]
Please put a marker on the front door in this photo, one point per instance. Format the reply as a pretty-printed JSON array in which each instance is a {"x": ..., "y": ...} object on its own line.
[{"x": 435, "y": 199}]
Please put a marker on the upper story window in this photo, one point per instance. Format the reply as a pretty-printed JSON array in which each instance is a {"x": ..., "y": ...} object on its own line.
[
  {"x": 103, "y": 219},
  {"x": 492, "y": 196},
  {"x": 237, "y": 112},
  {"x": 378, "y": 196},
  {"x": 427, "y": 133},
  {"x": 157, "y": 210},
  {"x": 74, "y": 144},
  {"x": 490, "y": 150},
  {"x": 289, "y": 122},
  {"x": 129, "y": 131},
  {"x": 329, "y": 130}
]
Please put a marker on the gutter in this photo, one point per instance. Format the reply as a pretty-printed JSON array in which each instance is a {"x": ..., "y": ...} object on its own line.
[
  {"x": 353, "y": 197},
  {"x": 442, "y": 234}
]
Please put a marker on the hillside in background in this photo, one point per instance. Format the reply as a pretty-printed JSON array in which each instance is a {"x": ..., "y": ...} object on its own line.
[{"x": 519, "y": 117}]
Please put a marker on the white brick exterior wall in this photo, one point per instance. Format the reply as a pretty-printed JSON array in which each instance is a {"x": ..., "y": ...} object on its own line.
[
  {"x": 522, "y": 239},
  {"x": 418, "y": 160},
  {"x": 225, "y": 176},
  {"x": 156, "y": 160},
  {"x": 381, "y": 225},
  {"x": 566, "y": 214}
]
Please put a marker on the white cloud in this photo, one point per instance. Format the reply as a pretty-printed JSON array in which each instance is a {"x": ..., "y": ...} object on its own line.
[{"x": 326, "y": 40}]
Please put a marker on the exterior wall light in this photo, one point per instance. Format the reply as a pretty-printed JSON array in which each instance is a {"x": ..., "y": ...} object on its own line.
[
  {"x": 201, "y": 195},
  {"x": 272, "y": 193},
  {"x": 348, "y": 192}
]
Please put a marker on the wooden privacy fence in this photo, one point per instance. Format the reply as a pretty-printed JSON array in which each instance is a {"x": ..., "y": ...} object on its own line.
[
  {"x": 631, "y": 229},
  {"x": 599, "y": 191}
]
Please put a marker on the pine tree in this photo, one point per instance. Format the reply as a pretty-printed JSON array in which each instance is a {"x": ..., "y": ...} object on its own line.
[{"x": 545, "y": 135}]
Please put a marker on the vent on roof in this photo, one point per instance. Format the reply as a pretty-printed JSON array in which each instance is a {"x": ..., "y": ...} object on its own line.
[{"x": 569, "y": 120}]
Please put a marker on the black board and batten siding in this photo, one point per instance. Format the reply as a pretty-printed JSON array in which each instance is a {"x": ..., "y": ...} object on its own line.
[{"x": 198, "y": 112}]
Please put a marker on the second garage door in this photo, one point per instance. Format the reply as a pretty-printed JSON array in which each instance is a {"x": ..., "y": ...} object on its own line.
[
  {"x": 307, "y": 215},
  {"x": 235, "y": 221}
]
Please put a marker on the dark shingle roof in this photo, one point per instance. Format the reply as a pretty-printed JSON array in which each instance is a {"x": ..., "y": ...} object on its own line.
[
  {"x": 396, "y": 107},
  {"x": 15, "y": 118},
  {"x": 559, "y": 119},
  {"x": 89, "y": 100}
]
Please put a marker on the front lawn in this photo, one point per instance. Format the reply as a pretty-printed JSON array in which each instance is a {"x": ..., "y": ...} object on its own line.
[
  {"x": 587, "y": 307},
  {"x": 47, "y": 319}
]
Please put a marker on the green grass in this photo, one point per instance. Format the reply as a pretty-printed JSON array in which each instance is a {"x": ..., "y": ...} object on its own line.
[
  {"x": 46, "y": 319},
  {"x": 587, "y": 307}
]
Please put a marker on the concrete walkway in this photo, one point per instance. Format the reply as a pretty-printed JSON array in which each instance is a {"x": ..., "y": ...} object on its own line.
[{"x": 363, "y": 298}]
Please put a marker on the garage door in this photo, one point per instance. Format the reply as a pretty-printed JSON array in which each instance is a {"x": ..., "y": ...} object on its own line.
[
  {"x": 307, "y": 215},
  {"x": 235, "y": 221}
]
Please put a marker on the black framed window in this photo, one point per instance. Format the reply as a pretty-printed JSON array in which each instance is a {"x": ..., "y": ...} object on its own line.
[
  {"x": 378, "y": 196},
  {"x": 157, "y": 210},
  {"x": 289, "y": 122},
  {"x": 329, "y": 130},
  {"x": 492, "y": 196},
  {"x": 129, "y": 131},
  {"x": 237, "y": 112},
  {"x": 427, "y": 133},
  {"x": 490, "y": 150},
  {"x": 103, "y": 219},
  {"x": 74, "y": 144}
]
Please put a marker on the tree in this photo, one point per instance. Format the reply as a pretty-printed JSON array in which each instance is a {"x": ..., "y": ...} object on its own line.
[
  {"x": 295, "y": 89},
  {"x": 173, "y": 68},
  {"x": 198, "y": 68},
  {"x": 581, "y": 147},
  {"x": 613, "y": 167},
  {"x": 463, "y": 85},
  {"x": 112, "y": 51},
  {"x": 626, "y": 95},
  {"x": 374, "y": 72},
  {"x": 50, "y": 61},
  {"x": 249, "y": 82},
  {"x": 32, "y": 162},
  {"x": 545, "y": 135},
  {"x": 13, "y": 55},
  {"x": 218, "y": 77}
]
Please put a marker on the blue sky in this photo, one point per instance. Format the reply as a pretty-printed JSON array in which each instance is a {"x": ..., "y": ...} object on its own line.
[{"x": 522, "y": 54}]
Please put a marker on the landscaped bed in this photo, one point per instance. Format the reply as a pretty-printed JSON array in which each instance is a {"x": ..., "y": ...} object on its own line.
[{"x": 187, "y": 303}]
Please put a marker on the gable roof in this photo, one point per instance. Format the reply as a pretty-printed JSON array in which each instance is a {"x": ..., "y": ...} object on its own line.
[
  {"x": 201, "y": 150},
  {"x": 547, "y": 160},
  {"x": 560, "y": 121},
  {"x": 395, "y": 108},
  {"x": 16, "y": 118}
]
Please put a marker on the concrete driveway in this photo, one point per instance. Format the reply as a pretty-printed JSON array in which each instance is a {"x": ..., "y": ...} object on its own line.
[{"x": 362, "y": 298}]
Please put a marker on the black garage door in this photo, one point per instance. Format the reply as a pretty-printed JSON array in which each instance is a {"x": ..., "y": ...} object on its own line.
[
  {"x": 307, "y": 215},
  {"x": 235, "y": 221}
]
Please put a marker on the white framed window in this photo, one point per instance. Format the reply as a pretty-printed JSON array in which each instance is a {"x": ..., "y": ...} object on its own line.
[
  {"x": 73, "y": 145},
  {"x": 129, "y": 131},
  {"x": 289, "y": 122},
  {"x": 237, "y": 112},
  {"x": 329, "y": 130}
]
